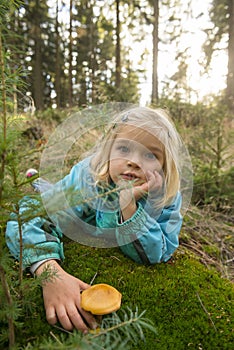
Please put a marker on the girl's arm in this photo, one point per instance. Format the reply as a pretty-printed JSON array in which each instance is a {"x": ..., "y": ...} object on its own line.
[
  {"x": 151, "y": 240},
  {"x": 40, "y": 237},
  {"x": 42, "y": 241}
]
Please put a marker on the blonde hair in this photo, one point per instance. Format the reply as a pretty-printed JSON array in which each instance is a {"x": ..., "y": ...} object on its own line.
[{"x": 158, "y": 123}]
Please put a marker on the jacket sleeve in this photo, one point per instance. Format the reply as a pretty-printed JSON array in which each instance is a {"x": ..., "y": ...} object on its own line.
[
  {"x": 148, "y": 240},
  {"x": 41, "y": 238}
]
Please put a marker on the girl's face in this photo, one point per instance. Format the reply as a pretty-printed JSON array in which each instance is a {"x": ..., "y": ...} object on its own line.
[{"x": 134, "y": 153}]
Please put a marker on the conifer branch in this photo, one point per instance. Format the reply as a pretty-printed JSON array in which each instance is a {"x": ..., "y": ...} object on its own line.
[
  {"x": 21, "y": 249},
  {"x": 129, "y": 328},
  {"x": 4, "y": 117},
  {"x": 115, "y": 333},
  {"x": 8, "y": 297}
]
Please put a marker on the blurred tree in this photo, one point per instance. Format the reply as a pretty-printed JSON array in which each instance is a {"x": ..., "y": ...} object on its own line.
[
  {"x": 230, "y": 75},
  {"x": 38, "y": 39},
  {"x": 118, "y": 47},
  {"x": 177, "y": 84},
  {"x": 222, "y": 31},
  {"x": 37, "y": 35},
  {"x": 39, "y": 50},
  {"x": 72, "y": 50},
  {"x": 87, "y": 52},
  {"x": 103, "y": 64},
  {"x": 13, "y": 42},
  {"x": 154, "y": 97},
  {"x": 70, "y": 60},
  {"x": 166, "y": 20},
  {"x": 58, "y": 77}
]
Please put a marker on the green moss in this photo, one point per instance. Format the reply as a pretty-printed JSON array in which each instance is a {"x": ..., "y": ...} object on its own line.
[{"x": 190, "y": 305}]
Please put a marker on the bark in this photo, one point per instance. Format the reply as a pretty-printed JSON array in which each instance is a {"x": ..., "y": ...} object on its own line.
[
  {"x": 4, "y": 116},
  {"x": 70, "y": 85},
  {"x": 118, "y": 48},
  {"x": 38, "y": 80},
  {"x": 58, "y": 63},
  {"x": 230, "y": 76},
  {"x": 154, "y": 98}
]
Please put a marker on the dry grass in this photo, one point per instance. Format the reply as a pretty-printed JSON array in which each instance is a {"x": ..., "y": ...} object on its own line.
[{"x": 210, "y": 236}]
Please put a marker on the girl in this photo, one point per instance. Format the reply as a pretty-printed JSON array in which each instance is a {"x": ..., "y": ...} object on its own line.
[{"x": 126, "y": 193}]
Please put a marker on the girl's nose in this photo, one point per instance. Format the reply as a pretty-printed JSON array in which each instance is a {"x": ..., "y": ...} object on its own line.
[{"x": 133, "y": 161}]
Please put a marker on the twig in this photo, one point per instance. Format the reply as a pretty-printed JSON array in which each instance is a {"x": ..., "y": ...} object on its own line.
[
  {"x": 56, "y": 338},
  {"x": 110, "y": 329},
  {"x": 200, "y": 252},
  {"x": 202, "y": 305},
  {"x": 92, "y": 280},
  {"x": 61, "y": 329},
  {"x": 21, "y": 248},
  {"x": 114, "y": 257},
  {"x": 4, "y": 117}
]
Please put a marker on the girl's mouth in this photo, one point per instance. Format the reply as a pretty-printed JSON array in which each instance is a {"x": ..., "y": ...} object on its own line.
[{"x": 129, "y": 177}]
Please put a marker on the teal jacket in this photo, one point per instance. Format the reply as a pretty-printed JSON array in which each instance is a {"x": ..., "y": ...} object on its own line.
[{"x": 148, "y": 237}]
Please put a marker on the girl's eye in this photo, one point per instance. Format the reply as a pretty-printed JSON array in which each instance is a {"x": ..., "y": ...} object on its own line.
[
  {"x": 123, "y": 149},
  {"x": 150, "y": 156}
]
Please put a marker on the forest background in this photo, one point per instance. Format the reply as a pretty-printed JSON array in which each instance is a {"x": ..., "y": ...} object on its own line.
[{"x": 60, "y": 57}]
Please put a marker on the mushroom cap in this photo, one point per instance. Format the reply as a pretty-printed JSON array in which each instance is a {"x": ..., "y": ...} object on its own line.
[{"x": 101, "y": 299}]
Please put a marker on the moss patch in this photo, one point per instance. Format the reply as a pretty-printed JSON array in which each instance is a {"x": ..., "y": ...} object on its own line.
[{"x": 190, "y": 305}]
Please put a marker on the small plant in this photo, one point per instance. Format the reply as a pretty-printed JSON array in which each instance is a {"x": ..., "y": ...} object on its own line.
[{"x": 11, "y": 184}]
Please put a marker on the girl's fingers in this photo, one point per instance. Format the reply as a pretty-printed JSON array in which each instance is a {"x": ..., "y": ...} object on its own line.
[
  {"x": 64, "y": 319},
  {"x": 154, "y": 180},
  {"x": 51, "y": 315},
  {"x": 89, "y": 319},
  {"x": 75, "y": 318},
  {"x": 83, "y": 285}
]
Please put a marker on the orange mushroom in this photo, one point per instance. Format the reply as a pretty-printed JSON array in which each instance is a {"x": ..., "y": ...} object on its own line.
[{"x": 101, "y": 299}]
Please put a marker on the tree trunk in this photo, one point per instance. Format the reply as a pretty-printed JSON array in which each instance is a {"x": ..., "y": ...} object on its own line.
[
  {"x": 230, "y": 76},
  {"x": 38, "y": 81},
  {"x": 92, "y": 51},
  {"x": 13, "y": 40},
  {"x": 70, "y": 85},
  {"x": 3, "y": 104},
  {"x": 57, "y": 63},
  {"x": 154, "y": 97},
  {"x": 118, "y": 48}
]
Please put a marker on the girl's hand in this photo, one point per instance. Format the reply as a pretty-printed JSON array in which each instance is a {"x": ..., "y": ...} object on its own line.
[
  {"x": 129, "y": 196},
  {"x": 61, "y": 294},
  {"x": 154, "y": 182}
]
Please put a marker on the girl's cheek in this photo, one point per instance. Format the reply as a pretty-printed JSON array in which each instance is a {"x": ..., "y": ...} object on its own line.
[{"x": 158, "y": 166}]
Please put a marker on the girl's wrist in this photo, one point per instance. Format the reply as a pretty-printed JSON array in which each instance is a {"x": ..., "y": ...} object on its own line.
[
  {"x": 128, "y": 211},
  {"x": 47, "y": 265}
]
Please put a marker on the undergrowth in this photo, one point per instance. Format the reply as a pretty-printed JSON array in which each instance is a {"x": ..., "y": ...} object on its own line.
[{"x": 210, "y": 236}]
